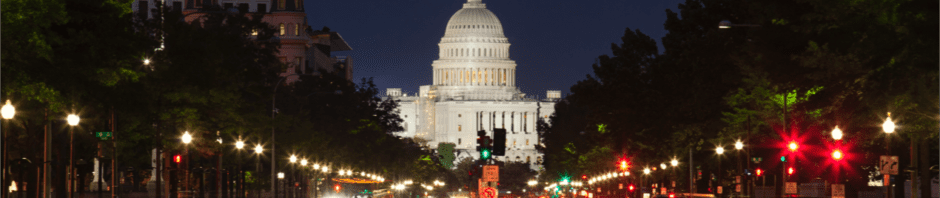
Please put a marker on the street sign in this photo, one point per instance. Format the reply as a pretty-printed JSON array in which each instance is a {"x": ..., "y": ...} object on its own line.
[
  {"x": 889, "y": 164},
  {"x": 719, "y": 190},
  {"x": 757, "y": 159},
  {"x": 103, "y": 135},
  {"x": 887, "y": 180},
  {"x": 489, "y": 192},
  {"x": 791, "y": 188},
  {"x": 838, "y": 190},
  {"x": 490, "y": 173}
]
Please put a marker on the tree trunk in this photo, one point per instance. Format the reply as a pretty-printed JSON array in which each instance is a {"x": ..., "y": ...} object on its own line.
[{"x": 923, "y": 168}]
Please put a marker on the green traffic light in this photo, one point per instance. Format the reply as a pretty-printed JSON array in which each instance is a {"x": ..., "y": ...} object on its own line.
[
  {"x": 485, "y": 154},
  {"x": 783, "y": 158}
]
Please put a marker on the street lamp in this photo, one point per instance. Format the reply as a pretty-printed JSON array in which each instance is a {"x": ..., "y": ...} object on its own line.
[
  {"x": 720, "y": 150},
  {"x": 888, "y": 128},
  {"x": 7, "y": 113},
  {"x": 239, "y": 145},
  {"x": 738, "y": 145},
  {"x": 258, "y": 149},
  {"x": 73, "y": 121},
  {"x": 187, "y": 138},
  {"x": 240, "y": 182},
  {"x": 674, "y": 162},
  {"x": 837, "y": 133},
  {"x": 793, "y": 146}
]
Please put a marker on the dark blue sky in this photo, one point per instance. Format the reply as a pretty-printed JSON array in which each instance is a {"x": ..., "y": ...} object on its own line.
[{"x": 554, "y": 42}]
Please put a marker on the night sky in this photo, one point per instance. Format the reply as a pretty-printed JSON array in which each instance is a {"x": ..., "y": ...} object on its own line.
[{"x": 554, "y": 42}]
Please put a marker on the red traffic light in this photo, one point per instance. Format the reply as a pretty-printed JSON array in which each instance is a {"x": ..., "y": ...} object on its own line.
[
  {"x": 177, "y": 159},
  {"x": 837, "y": 155},
  {"x": 672, "y": 195},
  {"x": 759, "y": 172},
  {"x": 793, "y": 146},
  {"x": 624, "y": 165},
  {"x": 790, "y": 171},
  {"x": 336, "y": 187},
  {"x": 631, "y": 187},
  {"x": 583, "y": 177}
]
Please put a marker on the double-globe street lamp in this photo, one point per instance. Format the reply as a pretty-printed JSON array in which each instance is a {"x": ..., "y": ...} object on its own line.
[
  {"x": 186, "y": 139},
  {"x": 720, "y": 150},
  {"x": 888, "y": 127},
  {"x": 258, "y": 151}
]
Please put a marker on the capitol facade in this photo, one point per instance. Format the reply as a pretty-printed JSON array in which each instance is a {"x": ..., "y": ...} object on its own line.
[{"x": 474, "y": 89}]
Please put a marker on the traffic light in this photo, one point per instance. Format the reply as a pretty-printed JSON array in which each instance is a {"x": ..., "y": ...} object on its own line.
[
  {"x": 783, "y": 158},
  {"x": 790, "y": 171},
  {"x": 759, "y": 172},
  {"x": 631, "y": 187},
  {"x": 485, "y": 154},
  {"x": 837, "y": 155},
  {"x": 480, "y": 135},
  {"x": 177, "y": 158},
  {"x": 793, "y": 146},
  {"x": 336, "y": 187},
  {"x": 583, "y": 177},
  {"x": 499, "y": 142}
]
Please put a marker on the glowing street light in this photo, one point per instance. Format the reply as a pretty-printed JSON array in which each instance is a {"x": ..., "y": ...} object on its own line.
[
  {"x": 303, "y": 162},
  {"x": 837, "y": 133},
  {"x": 187, "y": 138},
  {"x": 316, "y": 166},
  {"x": 646, "y": 171},
  {"x": 8, "y": 111},
  {"x": 888, "y": 126},
  {"x": 240, "y": 144},
  {"x": 674, "y": 162},
  {"x": 793, "y": 146},
  {"x": 293, "y": 158},
  {"x": 720, "y": 150},
  {"x": 72, "y": 119},
  {"x": 280, "y": 175},
  {"x": 258, "y": 149},
  {"x": 738, "y": 145},
  {"x": 662, "y": 165}
]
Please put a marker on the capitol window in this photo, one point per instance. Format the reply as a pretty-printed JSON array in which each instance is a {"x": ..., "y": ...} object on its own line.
[
  {"x": 296, "y": 29},
  {"x": 281, "y": 27},
  {"x": 281, "y": 4},
  {"x": 459, "y": 127}
]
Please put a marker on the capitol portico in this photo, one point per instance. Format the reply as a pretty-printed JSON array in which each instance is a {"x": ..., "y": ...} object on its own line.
[{"x": 474, "y": 89}]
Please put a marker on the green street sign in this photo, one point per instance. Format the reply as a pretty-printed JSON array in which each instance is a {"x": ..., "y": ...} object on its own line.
[{"x": 103, "y": 135}]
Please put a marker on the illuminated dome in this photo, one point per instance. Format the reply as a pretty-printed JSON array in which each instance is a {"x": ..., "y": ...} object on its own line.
[
  {"x": 474, "y": 20},
  {"x": 474, "y": 61}
]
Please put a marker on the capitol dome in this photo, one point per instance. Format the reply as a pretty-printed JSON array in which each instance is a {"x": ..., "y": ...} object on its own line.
[
  {"x": 474, "y": 61},
  {"x": 474, "y": 20}
]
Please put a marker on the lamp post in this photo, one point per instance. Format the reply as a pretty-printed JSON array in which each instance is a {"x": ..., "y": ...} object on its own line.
[
  {"x": 186, "y": 138},
  {"x": 73, "y": 121},
  {"x": 293, "y": 161},
  {"x": 240, "y": 178},
  {"x": 303, "y": 176},
  {"x": 720, "y": 150},
  {"x": 258, "y": 150},
  {"x": 888, "y": 127},
  {"x": 7, "y": 112},
  {"x": 739, "y": 146}
]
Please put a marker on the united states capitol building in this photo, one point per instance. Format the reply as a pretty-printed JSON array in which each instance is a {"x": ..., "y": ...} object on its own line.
[{"x": 474, "y": 88}]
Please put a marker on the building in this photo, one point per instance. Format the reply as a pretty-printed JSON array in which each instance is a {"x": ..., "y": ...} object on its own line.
[
  {"x": 474, "y": 89},
  {"x": 306, "y": 51}
]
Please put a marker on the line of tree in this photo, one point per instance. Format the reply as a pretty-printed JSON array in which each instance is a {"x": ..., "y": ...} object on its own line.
[
  {"x": 797, "y": 70},
  {"x": 212, "y": 78}
]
